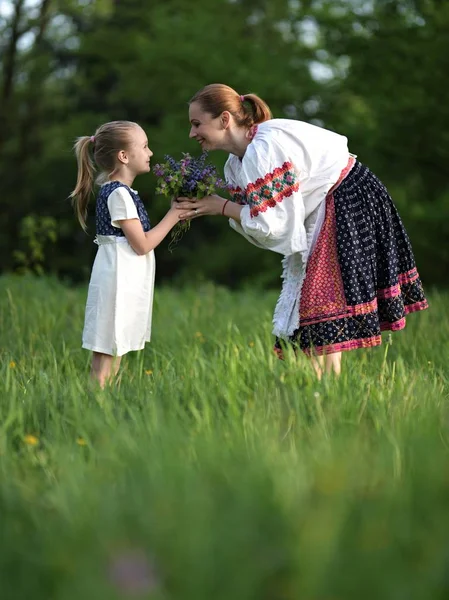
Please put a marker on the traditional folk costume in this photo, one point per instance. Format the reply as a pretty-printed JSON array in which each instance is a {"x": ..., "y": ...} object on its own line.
[{"x": 349, "y": 270}]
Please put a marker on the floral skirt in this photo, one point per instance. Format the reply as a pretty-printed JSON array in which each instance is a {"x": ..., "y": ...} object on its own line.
[{"x": 361, "y": 276}]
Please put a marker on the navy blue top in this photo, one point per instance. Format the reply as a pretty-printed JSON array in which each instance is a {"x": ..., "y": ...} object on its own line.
[{"x": 103, "y": 216}]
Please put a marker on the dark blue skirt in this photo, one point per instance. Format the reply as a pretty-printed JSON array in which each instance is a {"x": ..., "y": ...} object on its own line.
[{"x": 361, "y": 277}]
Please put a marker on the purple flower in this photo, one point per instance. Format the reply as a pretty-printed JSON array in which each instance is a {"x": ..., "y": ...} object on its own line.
[
  {"x": 133, "y": 573},
  {"x": 158, "y": 170},
  {"x": 191, "y": 176}
]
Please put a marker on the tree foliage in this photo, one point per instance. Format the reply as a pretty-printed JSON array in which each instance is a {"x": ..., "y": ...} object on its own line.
[{"x": 373, "y": 71}]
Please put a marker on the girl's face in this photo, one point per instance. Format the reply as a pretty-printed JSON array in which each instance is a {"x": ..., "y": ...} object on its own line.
[
  {"x": 207, "y": 131},
  {"x": 139, "y": 153}
]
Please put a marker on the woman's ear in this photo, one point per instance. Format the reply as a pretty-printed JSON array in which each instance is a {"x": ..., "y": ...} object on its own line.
[{"x": 225, "y": 119}]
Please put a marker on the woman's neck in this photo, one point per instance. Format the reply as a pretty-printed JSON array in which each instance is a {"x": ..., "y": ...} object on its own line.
[{"x": 237, "y": 143}]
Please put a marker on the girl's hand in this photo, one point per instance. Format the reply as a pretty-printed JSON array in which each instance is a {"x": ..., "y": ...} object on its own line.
[
  {"x": 199, "y": 207},
  {"x": 173, "y": 207}
]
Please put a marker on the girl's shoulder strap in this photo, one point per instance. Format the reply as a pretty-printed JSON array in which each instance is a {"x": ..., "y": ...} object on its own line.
[
  {"x": 107, "y": 188},
  {"x": 110, "y": 186}
]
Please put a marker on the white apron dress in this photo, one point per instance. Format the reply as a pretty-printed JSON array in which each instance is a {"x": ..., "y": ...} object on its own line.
[{"x": 120, "y": 297}]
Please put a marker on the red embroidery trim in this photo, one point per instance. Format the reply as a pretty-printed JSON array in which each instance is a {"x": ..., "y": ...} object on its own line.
[
  {"x": 279, "y": 184},
  {"x": 349, "y": 345},
  {"x": 237, "y": 195},
  {"x": 266, "y": 192}
]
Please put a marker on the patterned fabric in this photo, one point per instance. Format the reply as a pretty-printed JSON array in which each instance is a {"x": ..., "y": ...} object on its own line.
[
  {"x": 237, "y": 195},
  {"x": 266, "y": 192},
  {"x": 103, "y": 216},
  {"x": 361, "y": 277}
]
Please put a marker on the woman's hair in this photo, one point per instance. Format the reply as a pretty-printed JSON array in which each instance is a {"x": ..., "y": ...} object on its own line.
[
  {"x": 108, "y": 140},
  {"x": 247, "y": 110}
]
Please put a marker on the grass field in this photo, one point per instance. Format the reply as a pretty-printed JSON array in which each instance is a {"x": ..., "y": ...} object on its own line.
[{"x": 213, "y": 471}]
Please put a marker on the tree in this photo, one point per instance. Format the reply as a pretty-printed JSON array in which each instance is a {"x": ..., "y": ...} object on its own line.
[
  {"x": 390, "y": 100},
  {"x": 374, "y": 71}
]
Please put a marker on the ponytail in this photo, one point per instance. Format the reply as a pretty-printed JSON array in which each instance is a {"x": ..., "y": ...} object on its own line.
[
  {"x": 85, "y": 180},
  {"x": 259, "y": 111},
  {"x": 247, "y": 110},
  {"x": 108, "y": 140}
]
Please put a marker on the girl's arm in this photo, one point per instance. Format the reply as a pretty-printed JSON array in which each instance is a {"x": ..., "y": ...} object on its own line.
[
  {"x": 190, "y": 208},
  {"x": 142, "y": 241}
]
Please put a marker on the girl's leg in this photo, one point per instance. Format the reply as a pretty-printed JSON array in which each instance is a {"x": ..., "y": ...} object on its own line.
[{"x": 104, "y": 367}]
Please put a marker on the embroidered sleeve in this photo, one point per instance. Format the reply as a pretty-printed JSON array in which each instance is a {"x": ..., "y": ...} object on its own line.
[
  {"x": 268, "y": 191},
  {"x": 273, "y": 213},
  {"x": 237, "y": 195},
  {"x": 121, "y": 206}
]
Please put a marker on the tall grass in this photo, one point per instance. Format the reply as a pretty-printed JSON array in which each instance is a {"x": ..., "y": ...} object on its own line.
[{"x": 212, "y": 470}]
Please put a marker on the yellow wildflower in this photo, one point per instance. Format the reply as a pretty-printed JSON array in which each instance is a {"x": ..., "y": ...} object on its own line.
[
  {"x": 251, "y": 344},
  {"x": 12, "y": 365},
  {"x": 149, "y": 372},
  {"x": 81, "y": 441},
  {"x": 31, "y": 440},
  {"x": 198, "y": 334}
]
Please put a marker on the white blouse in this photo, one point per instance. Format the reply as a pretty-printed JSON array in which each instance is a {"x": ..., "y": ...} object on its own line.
[{"x": 282, "y": 180}]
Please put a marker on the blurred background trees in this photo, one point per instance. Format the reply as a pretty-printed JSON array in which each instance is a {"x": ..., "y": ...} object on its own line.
[{"x": 374, "y": 70}]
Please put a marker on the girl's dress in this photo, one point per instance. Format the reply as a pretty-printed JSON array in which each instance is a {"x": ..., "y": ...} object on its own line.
[
  {"x": 349, "y": 270},
  {"x": 120, "y": 297}
]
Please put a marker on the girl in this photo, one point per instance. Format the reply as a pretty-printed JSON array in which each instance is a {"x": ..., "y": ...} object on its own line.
[
  {"x": 349, "y": 270},
  {"x": 120, "y": 297}
]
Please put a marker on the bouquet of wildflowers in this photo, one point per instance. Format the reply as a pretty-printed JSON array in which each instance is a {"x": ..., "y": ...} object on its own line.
[{"x": 190, "y": 177}]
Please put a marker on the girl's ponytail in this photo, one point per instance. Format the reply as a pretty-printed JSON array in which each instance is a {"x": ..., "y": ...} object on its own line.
[{"x": 85, "y": 180}]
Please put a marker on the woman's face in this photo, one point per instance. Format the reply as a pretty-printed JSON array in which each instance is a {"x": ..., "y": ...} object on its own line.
[{"x": 206, "y": 130}]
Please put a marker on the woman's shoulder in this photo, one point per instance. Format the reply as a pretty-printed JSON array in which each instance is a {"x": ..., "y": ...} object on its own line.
[
  {"x": 294, "y": 129},
  {"x": 274, "y": 126},
  {"x": 272, "y": 134},
  {"x": 294, "y": 138}
]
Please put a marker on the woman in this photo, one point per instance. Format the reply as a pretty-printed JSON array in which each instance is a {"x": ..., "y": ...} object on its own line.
[{"x": 349, "y": 270}]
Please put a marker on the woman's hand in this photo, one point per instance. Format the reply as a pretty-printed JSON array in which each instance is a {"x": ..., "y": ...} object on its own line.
[{"x": 199, "y": 207}]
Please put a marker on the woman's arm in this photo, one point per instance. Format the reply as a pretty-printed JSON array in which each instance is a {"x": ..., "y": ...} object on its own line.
[
  {"x": 190, "y": 208},
  {"x": 142, "y": 241}
]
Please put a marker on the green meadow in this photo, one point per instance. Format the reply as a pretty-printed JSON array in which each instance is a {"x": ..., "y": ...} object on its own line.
[{"x": 212, "y": 470}]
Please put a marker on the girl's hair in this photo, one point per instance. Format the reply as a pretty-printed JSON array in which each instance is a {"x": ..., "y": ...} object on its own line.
[
  {"x": 247, "y": 110},
  {"x": 108, "y": 140}
]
